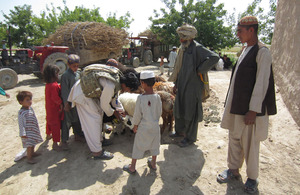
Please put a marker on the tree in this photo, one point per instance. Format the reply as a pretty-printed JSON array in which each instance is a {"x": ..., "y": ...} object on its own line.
[
  {"x": 20, "y": 19},
  {"x": 204, "y": 15},
  {"x": 28, "y": 29}
]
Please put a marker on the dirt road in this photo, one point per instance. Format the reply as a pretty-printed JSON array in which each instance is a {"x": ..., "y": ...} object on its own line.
[{"x": 186, "y": 171}]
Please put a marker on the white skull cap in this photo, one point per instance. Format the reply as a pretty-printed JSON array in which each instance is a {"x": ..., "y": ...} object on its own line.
[{"x": 147, "y": 75}]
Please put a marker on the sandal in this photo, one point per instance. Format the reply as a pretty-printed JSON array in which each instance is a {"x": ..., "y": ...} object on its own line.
[
  {"x": 175, "y": 134},
  {"x": 104, "y": 156},
  {"x": 150, "y": 165},
  {"x": 185, "y": 142},
  {"x": 251, "y": 186},
  {"x": 127, "y": 169},
  {"x": 226, "y": 176}
]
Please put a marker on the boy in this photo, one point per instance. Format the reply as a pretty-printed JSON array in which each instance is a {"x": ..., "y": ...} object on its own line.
[
  {"x": 146, "y": 116},
  {"x": 71, "y": 119},
  {"x": 28, "y": 125}
]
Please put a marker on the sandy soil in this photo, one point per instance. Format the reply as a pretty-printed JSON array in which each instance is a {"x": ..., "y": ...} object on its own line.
[{"x": 189, "y": 170}]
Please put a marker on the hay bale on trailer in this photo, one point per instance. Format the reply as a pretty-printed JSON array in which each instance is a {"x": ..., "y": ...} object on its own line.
[{"x": 92, "y": 41}]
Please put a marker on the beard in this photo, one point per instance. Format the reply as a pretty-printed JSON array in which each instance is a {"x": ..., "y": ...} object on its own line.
[{"x": 185, "y": 43}]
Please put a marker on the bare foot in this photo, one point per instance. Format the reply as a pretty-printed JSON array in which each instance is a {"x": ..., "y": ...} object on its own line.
[
  {"x": 64, "y": 146},
  {"x": 56, "y": 148},
  {"x": 31, "y": 161},
  {"x": 79, "y": 139},
  {"x": 35, "y": 154},
  {"x": 48, "y": 137}
]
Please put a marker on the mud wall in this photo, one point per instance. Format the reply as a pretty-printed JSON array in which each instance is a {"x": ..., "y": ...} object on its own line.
[{"x": 285, "y": 50}]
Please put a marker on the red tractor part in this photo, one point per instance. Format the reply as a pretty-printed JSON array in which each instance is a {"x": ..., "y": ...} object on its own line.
[{"x": 27, "y": 61}]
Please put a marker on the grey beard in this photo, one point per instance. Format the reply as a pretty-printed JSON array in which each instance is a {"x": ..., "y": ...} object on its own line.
[{"x": 185, "y": 44}]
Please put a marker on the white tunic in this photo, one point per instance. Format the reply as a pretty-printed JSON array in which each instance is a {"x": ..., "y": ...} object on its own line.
[
  {"x": 90, "y": 111},
  {"x": 172, "y": 58},
  {"x": 147, "y": 112},
  {"x": 235, "y": 122}
]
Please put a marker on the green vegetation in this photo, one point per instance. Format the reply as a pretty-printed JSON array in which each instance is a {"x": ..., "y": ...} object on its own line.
[
  {"x": 209, "y": 19},
  {"x": 28, "y": 29},
  {"x": 204, "y": 15}
]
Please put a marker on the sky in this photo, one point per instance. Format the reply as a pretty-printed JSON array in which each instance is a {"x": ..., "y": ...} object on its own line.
[{"x": 140, "y": 10}]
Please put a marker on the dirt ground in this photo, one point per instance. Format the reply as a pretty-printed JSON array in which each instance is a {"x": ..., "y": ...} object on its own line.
[{"x": 190, "y": 170}]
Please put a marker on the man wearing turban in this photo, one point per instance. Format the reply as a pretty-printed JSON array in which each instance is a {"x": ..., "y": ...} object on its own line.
[{"x": 193, "y": 59}]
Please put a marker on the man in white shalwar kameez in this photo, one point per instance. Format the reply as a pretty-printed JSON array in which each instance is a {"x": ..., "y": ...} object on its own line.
[
  {"x": 90, "y": 112},
  {"x": 250, "y": 101}
]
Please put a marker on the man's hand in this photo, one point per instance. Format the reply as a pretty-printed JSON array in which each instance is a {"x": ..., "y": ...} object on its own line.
[
  {"x": 117, "y": 115},
  {"x": 67, "y": 107},
  {"x": 135, "y": 128},
  {"x": 250, "y": 117}
]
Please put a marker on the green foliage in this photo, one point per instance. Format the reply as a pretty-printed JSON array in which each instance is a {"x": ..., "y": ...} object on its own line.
[
  {"x": 20, "y": 20},
  {"x": 3, "y": 32},
  {"x": 204, "y": 15},
  {"x": 28, "y": 29}
]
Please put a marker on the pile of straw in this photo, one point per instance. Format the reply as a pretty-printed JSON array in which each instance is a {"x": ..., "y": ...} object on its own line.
[
  {"x": 90, "y": 36},
  {"x": 148, "y": 33}
]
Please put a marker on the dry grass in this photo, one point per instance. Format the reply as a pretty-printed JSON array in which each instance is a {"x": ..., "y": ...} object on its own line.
[{"x": 89, "y": 35}]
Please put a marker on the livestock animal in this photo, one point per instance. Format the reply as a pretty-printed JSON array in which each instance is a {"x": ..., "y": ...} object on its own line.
[{"x": 128, "y": 101}]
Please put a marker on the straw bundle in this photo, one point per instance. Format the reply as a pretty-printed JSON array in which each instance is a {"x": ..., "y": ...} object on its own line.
[{"x": 90, "y": 36}]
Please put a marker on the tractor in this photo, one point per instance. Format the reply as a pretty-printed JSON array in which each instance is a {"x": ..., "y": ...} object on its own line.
[
  {"x": 27, "y": 61},
  {"x": 150, "y": 50}
]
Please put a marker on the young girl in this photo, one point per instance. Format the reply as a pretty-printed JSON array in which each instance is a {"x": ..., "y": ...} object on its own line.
[
  {"x": 53, "y": 105},
  {"x": 28, "y": 125},
  {"x": 146, "y": 116}
]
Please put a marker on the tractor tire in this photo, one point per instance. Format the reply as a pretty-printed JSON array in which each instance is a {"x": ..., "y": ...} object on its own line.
[
  {"x": 60, "y": 60},
  {"x": 148, "y": 57},
  {"x": 135, "y": 62},
  {"x": 8, "y": 78}
]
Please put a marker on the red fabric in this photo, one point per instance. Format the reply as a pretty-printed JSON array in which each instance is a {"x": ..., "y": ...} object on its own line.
[
  {"x": 53, "y": 110},
  {"x": 53, "y": 129}
]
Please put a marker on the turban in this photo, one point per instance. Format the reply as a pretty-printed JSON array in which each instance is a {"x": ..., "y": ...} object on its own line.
[
  {"x": 73, "y": 58},
  {"x": 112, "y": 62},
  {"x": 248, "y": 20},
  {"x": 186, "y": 32}
]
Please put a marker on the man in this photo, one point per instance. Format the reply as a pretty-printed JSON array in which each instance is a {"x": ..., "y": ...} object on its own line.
[
  {"x": 192, "y": 60},
  {"x": 227, "y": 62},
  {"x": 68, "y": 79},
  {"x": 90, "y": 110},
  {"x": 250, "y": 99},
  {"x": 172, "y": 58}
]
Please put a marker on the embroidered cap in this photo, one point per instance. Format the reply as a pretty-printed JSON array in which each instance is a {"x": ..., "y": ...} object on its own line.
[
  {"x": 112, "y": 62},
  {"x": 147, "y": 75},
  {"x": 248, "y": 20},
  {"x": 73, "y": 58}
]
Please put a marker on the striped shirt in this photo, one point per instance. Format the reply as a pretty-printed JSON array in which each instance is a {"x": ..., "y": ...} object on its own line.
[{"x": 29, "y": 127}]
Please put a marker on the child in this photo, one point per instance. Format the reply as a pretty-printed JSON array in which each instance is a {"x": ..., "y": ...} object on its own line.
[
  {"x": 28, "y": 125},
  {"x": 53, "y": 105},
  {"x": 146, "y": 116},
  {"x": 161, "y": 65},
  {"x": 71, "y": 119}
]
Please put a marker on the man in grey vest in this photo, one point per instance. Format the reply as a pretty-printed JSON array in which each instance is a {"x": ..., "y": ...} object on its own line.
[{"x": 250, "y": 100}]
